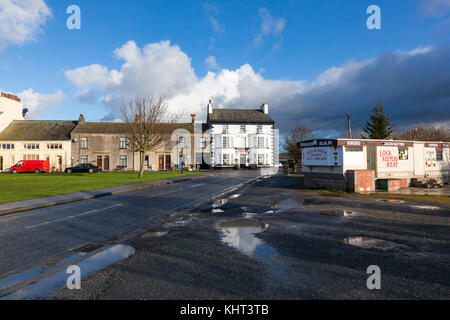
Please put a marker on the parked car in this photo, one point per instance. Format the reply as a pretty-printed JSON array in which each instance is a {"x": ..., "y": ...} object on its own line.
[
  {"x": 36, "y": 166},
  {"x": 84, "y": 167}
]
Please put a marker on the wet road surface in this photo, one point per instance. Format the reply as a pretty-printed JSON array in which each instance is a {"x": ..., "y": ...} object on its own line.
[
  {"x": 42, "y": 237},
  {"x": 269, "y": 240}
]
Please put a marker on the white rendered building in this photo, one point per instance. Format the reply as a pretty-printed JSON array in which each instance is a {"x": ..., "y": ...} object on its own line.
[{"x": 243, "y": 137}]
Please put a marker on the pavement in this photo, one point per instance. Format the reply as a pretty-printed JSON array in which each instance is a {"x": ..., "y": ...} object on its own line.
[
  {"x": 269, "y": 240},
  {"x": 35, "y": 241}
]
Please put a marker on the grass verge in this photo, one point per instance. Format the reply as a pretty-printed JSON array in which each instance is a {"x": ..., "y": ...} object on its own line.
[{"x": 30, "y": 186}]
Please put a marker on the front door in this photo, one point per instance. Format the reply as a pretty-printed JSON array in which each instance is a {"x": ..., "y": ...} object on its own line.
[
  {"x": 161, "y": 163},
  {"x": 99, "y": 161},
  {"x": 106, "y": 159},
  {"x": 168, "y": 162},
  {"x": 371, "y": 157},
  {"x": 243, "y": 159},
  {"x": 59, "y": 163},
  {"x": 419, "y": 159}
]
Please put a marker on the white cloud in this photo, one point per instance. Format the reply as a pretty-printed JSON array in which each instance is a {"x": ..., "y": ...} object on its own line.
[
  {"x": 156, "y": 68},
  {"x": 36, "y": 102},
  {"x": 413, "y": 85},
  {"x": 21, "y": 20},
  {"x": 211, "y": 62},
  {"x": 269, "y": 25}
]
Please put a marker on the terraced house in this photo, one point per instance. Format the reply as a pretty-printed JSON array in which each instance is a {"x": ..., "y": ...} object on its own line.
[
  {"x": 37, "y": 140},
  {"x": 106, "y": 144}
]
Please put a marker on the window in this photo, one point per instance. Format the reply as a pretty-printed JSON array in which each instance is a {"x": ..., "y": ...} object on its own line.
[
  {"x": 403, "y": 154},
  {"x": 123, "y": 161},
  {"x": 260, "y": 142},
  {"x": 181, "y": 140},
  {"x": 259, "y": 129},
  {"x": 203, "y": 142},
  {"x": 12, "y": 160},
  {"x": 84, "y": 143},
  {"x": 439, "y": 155},
  {"x": 243, "y": 129},
  {"x": 7, "y": 146},
  {"x": 84, "y": 159},
  {"x": 226, "y": 142},
  {"x": 31, "y": 146},
  {"x": 226, "y": 159},
  {"x": 225, "y": 129},
  {"x": 31, "y": 157},
  {"x": 123, "y": 143},
  {"x": 52, "y": 146}
]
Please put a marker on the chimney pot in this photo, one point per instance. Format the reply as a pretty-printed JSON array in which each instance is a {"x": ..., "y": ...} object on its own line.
[
  {"x": 81, "y": 118},
  {"x": 193, "y": 118}
]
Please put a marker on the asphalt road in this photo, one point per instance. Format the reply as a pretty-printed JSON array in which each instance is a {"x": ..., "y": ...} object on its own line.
[
  {"x": 269, "y": 240},
  {"x": 33, "y": 238}
]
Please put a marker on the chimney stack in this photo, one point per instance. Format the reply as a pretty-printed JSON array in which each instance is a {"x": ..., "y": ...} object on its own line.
[
  {"x": 193, "y": 118},
  {"x": 265, "y": 108},
  {"x": 81, "y": 119},
  {"x": 210, "y": 107}
]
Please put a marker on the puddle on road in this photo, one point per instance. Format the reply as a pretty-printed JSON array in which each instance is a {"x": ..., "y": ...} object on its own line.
[
  {"x": 31, "y": 273},
  {"x": 154, "y": 234},
  {"x": 426, "y": 207},
  {"x": 57, "y": 280},
  {"x": 286, "y": 205},
  {"x": 372, "y": 243},
  {"x": 219, "y": 203},
  {"x": 240, "y": 234},
  {"x": 337, "y": 213}
]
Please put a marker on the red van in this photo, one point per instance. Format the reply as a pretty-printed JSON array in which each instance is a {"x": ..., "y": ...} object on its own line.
[{"x": 36, "y": 166}]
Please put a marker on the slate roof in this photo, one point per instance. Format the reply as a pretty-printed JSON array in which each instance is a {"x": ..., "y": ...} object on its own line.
[
  {"x": 239, "y": 116},
  {"x": 119, "y": 127},
  {"x": 38, "y": 130}
]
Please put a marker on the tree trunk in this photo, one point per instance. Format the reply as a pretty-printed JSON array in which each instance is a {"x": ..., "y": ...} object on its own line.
[{"x": 141, "y": 164}]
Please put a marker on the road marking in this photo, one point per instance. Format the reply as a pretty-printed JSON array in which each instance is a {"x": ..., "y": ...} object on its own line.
[
  {"x": 73, "y": 216},
  {"x": 197, "y": 185}
]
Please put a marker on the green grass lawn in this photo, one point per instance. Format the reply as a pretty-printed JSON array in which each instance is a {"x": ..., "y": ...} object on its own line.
[{"x": 29, "y": 186}]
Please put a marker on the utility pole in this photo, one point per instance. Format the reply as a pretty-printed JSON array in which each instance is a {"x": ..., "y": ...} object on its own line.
[{"x": 349, "y": 126}]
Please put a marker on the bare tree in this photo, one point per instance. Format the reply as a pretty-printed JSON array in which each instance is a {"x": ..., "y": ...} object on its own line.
[
  {"x": 299, "y": 133},
  {"x": 148, "y": 125},
  {"x": 423, "y": 133}
]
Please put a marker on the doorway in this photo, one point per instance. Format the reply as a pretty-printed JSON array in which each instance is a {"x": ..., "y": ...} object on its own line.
[
  {"x": 106, "y": 164},
  {"x": 243, "y": 160},
  {"x": 168, "y": 162},
  {"x": 59, "y": 158},
  {"x": 99, "y": 162},
  {"x": 1, "y": 163},
  {"x": 161, "y": 163},
  {"x": 372, "y": 158}
]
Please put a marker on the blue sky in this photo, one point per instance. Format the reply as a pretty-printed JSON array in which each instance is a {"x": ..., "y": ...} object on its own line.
[{"x": 304, "y": 58}]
